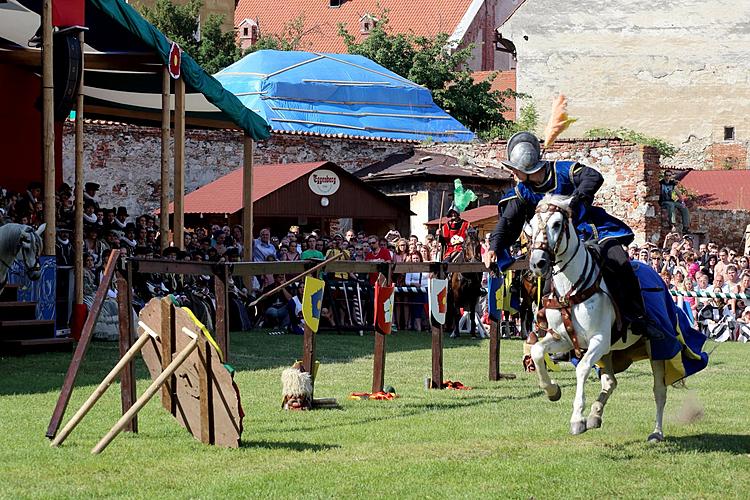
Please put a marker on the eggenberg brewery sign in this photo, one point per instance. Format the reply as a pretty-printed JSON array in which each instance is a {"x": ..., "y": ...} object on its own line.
[{"x": 324, "y": 182}]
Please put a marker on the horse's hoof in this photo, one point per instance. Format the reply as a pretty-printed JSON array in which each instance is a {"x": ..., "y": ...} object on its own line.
[
  {"x": 577, "y": 428},
  {"x": 593, "y": 422},
  {"x": 556, "y": 395},
  {"x": 655, "y": 437}
]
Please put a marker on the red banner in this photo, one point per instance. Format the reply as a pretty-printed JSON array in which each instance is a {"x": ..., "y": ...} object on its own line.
[
  {"x": 383, "y": 308},
  {"x": 68, "y": 13}
]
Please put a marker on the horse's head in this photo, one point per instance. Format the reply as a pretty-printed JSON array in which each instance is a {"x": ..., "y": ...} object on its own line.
[
  {"x": 472, "y": 247},
  {"x": 30, "y": 247},
  {"x": 551, "y": 228}
]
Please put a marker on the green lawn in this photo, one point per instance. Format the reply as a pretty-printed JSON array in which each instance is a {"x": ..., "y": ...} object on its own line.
[{"x": 501, "y": 439}]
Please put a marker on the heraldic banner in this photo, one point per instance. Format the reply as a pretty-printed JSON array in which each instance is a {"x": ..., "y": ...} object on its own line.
[
  {"x": 312, "y": 302},
  {"x": 499, "y": 297},
  {"x": 438, "y": 292},
  {"x": 383, "y": 308}
]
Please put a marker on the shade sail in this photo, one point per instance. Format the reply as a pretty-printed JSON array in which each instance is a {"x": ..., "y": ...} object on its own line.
[{"x": 118, "y": 31}]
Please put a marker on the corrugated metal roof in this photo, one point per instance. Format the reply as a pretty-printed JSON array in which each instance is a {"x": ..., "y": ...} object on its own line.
[
  {"x": 338, "y": 94},
  {"x": 720, "y": 189},
  {"x": 422, "y": 163},
  {"x": 224, "y": 195},
  {"x": 473, "y": 215},
  {"x": 418, "y": 17}
]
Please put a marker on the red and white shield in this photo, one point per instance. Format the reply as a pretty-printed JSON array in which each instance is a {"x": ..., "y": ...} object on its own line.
[
  {"x": 438, "y": 292},
  {"x": 383, "y": 308},
  {"x": 175, "y": 59}
]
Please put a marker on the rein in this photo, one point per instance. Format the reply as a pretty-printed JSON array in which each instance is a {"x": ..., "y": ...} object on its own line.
[{"x": 576, "y": 294}]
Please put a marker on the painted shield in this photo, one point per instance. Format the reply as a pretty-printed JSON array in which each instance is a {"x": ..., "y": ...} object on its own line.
[
  {"x": 383, "y": 308},
  {"x": 495, "y": 296},
  {"x": 438, "y": 292},
  {"x": 175, "y": 59},
  {"x": 312, "y": 302}
]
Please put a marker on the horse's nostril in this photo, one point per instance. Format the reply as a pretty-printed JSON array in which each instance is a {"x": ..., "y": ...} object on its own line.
[{"x": 541, "y": 263}]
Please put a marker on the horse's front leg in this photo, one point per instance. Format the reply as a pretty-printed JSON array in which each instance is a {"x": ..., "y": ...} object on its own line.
[
  {"x": 597, "y": 347},
  {"x": 548, "y": 344},
  {"x": 660, "y": 397},
  {"x": 609, "y": 383}
]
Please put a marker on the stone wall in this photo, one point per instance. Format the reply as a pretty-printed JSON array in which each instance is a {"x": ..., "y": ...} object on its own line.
[
  {"x": 725, "y": 227},
  {"x": 125, "y": 159},
  {"x": 674, "y": 70},
  {"x": 630, "y": 171}
]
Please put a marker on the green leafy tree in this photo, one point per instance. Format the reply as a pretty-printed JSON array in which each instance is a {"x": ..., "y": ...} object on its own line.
[
  {"x": 438, "y": 65},
  {"x": 213, "y": 49},
  {"x": 291, "y": 38}
]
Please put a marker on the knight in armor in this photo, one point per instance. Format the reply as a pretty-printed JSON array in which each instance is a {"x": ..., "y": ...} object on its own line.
[
  {"x": 537, "y": 178},
  {"x": 452, "y": 234}
]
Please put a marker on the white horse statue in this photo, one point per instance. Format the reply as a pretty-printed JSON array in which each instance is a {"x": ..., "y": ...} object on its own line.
[
  {"x": 20, "y": 241},
  {"x": 586, "y": 318}
]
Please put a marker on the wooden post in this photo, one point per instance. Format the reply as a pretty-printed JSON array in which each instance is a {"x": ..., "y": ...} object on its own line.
[
  {"x": 48, "y": 129},
  {"x": 167, "y": 337},
  {"x": 378, "y": 362},
  {"x": 308, "y": 353},
  {"x": 132, "y": 412},
  {"x": 205, "y": 378},
  {"x": 494, "y": 350},
  {"x": 164, "y": 202},
  {"x": 100, "y": 390},
  {"x": 222, "y": 311},
  {"x": 78, "y": 232},
  {"x": 179, "y": 164},
  {"x": 83, "y": 344},
  {"x": 247, "y": 199},
  {"x": 127, "y": 377},
  {"x": 437, "y": 346}
]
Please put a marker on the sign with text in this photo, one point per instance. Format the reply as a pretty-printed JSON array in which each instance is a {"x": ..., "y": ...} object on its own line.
[{"x": 324, "y": 182}]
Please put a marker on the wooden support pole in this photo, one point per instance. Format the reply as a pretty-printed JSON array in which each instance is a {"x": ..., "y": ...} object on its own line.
[
  {"x": 83, "y": 344},
  {"x": 436, "y": 382},
  {"x": 48, "y": 129},
  {"x": 127, "y": 377},
  {"x": 167, "y": 337},
  {"x": 179, "y": 164},
  {"x": 221, "y": 292},
  {"x": 378, "y": 361},
  {"x": 164, "y": 201},
  {"x": 494, "y": 365},
  {"x": 78, "y": 230},
  {"x": 247, "y": 198},
  {"x": 308, "y": 354},
  {"x": 141, "y": 402},
  {"x": 100, "y": 390},
  {"x": 205, "y": 387}
]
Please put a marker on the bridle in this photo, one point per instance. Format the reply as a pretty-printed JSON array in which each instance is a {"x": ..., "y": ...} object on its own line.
[{"x": 549, "y": 209}]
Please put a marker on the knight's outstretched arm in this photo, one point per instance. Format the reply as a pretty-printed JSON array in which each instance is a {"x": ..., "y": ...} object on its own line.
[
  {"x": 509, "y": 225},
  {"x": 587, "y": 181}
]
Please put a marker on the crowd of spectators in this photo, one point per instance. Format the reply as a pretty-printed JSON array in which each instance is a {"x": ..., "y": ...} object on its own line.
[{"x": 682, "y": 266}]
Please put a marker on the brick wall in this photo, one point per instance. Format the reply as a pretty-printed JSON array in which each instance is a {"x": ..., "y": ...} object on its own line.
[
  {"x": 630, "y": 171},
  {"x": 727, "y": 155},
  {"x": 125, "y": 159},
  {"x": 726, "y": 227}
]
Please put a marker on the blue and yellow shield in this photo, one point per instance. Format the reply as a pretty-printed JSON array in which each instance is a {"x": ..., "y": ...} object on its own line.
[{"x": 312, "y": 302}]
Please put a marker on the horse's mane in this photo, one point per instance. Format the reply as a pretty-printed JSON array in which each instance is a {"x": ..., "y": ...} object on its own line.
[{"x": 557, "y": 200}]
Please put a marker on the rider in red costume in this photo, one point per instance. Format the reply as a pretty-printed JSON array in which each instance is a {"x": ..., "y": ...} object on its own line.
[{"x": 453, "y": 234}]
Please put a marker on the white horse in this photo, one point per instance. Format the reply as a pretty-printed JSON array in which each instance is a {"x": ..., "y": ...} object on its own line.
[
  {"x": 20, "y": 241},
  {"x": 586, "y": 318}
]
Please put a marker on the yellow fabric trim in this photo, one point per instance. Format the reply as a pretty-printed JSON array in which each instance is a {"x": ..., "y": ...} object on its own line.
[{"x": 205, "y": 332}]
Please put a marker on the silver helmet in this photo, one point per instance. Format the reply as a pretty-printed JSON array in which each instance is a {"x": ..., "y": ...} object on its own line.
[{"x": 524, "y": 153}]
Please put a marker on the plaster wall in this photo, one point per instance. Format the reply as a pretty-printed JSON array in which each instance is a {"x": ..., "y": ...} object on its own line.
[{"x": 677, "y": 70}]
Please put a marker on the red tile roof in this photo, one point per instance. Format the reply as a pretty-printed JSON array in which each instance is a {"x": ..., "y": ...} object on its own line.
[
  {"x": 720, "y": 189},
  {"x": 224, "y": 195},
  {"x": 473, "y": 215},
  {"x": 418, "y": 17},
  {"x": 504, "y": 80}
]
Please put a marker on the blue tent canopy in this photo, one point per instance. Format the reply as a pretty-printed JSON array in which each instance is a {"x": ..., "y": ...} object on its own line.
[{"x": 338, "y": 94}]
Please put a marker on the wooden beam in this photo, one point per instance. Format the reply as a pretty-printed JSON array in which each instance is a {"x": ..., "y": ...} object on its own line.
[
  {"x": 179, "y": 164},
  {"x": 437, "y": 346},
  {"x": 83, "y": 344},
  {"x": 127, "y": 378},
  {"x": 78, "y": 233},
  {"x": 164, "y": 202},
  {"x": 247, "y": 198},
  {"x": 494, "y": 365},
  {"x": 48, "y": 129},
  {"x": 132, "y": 62}
]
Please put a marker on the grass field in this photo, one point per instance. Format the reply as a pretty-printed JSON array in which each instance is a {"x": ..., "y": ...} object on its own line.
[{"x": 500, "y": 440}]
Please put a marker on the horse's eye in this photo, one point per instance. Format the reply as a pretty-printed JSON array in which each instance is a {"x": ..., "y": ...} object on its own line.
[{"x": 556, "y": 225}]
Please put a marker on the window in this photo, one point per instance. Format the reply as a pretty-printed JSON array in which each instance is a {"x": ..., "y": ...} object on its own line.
[
  {"x": 245, "y": 31},
  {"x": 728, "y": 133},
  {"x": 367, "y": 23}
]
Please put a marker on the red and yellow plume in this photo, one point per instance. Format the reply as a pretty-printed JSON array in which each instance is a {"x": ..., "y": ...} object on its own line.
[{"x": 558, "y": 122}]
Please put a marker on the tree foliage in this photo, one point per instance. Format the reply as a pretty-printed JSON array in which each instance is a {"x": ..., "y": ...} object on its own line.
[
  {"x": 438, "y": 65},
  {"x": 292, "y": 38},
  {"x": 203, "y": 39}
]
